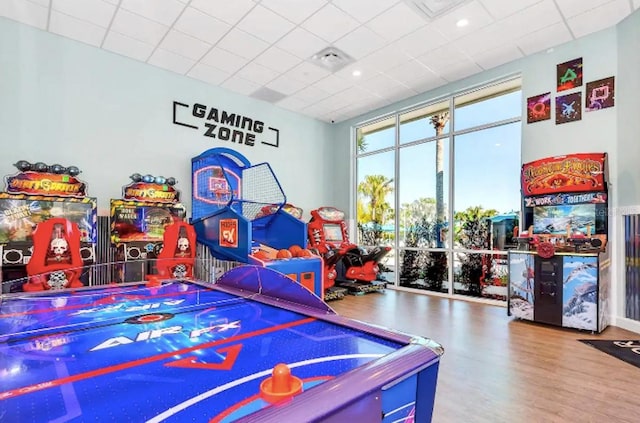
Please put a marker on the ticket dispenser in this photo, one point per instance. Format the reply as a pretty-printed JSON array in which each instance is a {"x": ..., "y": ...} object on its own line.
[{"x": 548, "y": 290}]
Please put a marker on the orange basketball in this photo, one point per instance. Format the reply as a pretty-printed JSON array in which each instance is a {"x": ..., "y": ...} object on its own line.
[
  {"x": 260, "y": 255},
  {"x": 284, "y": 254},
  {"x": 305, "y": 253},
  {"x": 295, "y": 249}
]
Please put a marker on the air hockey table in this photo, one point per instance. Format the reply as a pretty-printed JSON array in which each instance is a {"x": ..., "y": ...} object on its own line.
[{"x": 253, "y": 347}]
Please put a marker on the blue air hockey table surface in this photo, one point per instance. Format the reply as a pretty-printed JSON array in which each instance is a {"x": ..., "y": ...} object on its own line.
[{"x": 192, "y": 351}]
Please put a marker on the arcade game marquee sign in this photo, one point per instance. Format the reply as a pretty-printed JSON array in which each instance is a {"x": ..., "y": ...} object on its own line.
[{"x": 224, "y": 125}]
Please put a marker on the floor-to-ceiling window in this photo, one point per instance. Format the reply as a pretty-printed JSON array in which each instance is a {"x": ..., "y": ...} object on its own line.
[{"x": 439, "y": 183}]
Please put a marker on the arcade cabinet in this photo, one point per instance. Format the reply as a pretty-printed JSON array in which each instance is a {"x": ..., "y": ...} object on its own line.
[
  {"x": 177, "y": 257},
  {"x": 56, "y": 262},
  {"x": 352, "y": 267},
  {"x": 238, "y": 212},
  {"x": 138, "y": 223},
  {"x": 560, "y": 273},
  {"x": 36, "y": 193}
]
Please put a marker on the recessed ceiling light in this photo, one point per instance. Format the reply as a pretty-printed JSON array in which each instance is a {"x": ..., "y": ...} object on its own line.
[
  {"x": 462, "y": 22},
  {"x": 356, "y": 73},
  {"x": 498, "y": 144}
]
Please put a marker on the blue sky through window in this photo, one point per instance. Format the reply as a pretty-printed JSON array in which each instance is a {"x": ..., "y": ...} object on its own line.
[{"x": 487, "y": 162}]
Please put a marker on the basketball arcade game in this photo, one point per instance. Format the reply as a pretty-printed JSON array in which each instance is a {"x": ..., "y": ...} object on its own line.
[
  {"x": 37, "y": 193},
  {"x": 560, "y": 274},
  {"x": 346, "y": 264},
  {"x": 254, "y": 347},
  {"x": 239, "y": 213},
  {"x": 138, "y": 222}
]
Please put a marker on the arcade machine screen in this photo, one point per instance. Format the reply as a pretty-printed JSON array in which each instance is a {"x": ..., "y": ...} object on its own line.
[
  {"x": 18, "y": 217},
  {"x": 333, "y": 232},
  {"x": 142, "y": 223},
  {"x": 556, "y": 219}
]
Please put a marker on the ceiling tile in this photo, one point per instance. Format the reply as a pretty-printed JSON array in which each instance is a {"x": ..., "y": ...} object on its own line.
[
  {"x": 364, "y": 10},
  {"x": 286, "y": 85},
  {"x": 570, "y": 8},
  {"x": 184, "y": 44},
  {"x": 44, "y": 3},
  {"x": 460, "y": 70},
  {"x": 135, "y": 26},
  {"x": 311, "y": 94},
  {"x": 208, "y": 74},
  {"x": 366, "y": 71},
  {"x": 545, "y": 38},
  {"x": 224, "y": 60},
  {"x": 410, "y": 72},
  {"x": 228, "y": 11},
  {"x": 599, "y": 18},
  {"x": 428, "y": 84},
  {"x": 302, "y": 43},
  {"x": 170, "y": 61},
  {"x": 265, "y": 24},
  {"x": 94, "y": 11},
  {"x": 257, "y": 73},
  {"x": 385, "y": 58},
  {"x": 484, "y": 39},
  {"x": 439, "y": 59},
  {"x": 360, "y": 42},
  {"x": 396, "y": 22},
  {"x": 497, "y": 56},
  {"x": 425, "y": 82},
  {"x": 76, "y": 29},
  {"x": 294, "y": 10},
  {"x": 536, "y": 17},
  {"x": 292, "y": 103},
  {"x": 307, "y": 73},
  {"x": 421, "y": 41},
  {"x": 473, "y": 12},
  {"x": 502, "y": 8},
  {"x": 26, "y": 12},
  {"x": 636, "y": 4},
  {"x": 332, "y": 84},
  {"x": 330, "y": 23},
  {"x": 381, "y": 84},
  {"x": 399, "y": 95},
  {"x": 201, "y": 25},
  {"x": 127, "y": 46},
  {"x": 277, "y": 59},
  {"x": 162, "y": 11},
  {"x": 240, "y": 85},
  {"x": 242, "y": 44}
]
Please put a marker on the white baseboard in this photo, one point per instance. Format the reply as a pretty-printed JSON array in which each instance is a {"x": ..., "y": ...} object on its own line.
[{"x": 628, "y": 324}]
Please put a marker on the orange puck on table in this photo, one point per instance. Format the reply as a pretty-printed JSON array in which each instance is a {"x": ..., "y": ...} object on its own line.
[{"x": 282, "y": 385}]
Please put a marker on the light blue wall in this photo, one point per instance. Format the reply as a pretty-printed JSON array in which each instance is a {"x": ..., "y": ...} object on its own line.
[
  {"x": 65, "y": 102},
  {"x": 628, "y": 107}
]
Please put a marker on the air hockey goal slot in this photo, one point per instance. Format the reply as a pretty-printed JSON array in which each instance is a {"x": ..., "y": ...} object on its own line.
[{"x": 281, "y": 386}]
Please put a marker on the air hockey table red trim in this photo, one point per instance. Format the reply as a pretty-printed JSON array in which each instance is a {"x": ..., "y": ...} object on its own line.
[{"x": 393, "y": 380}]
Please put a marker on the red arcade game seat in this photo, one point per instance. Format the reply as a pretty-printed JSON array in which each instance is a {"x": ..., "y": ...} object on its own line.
[
  {"x": 56, "y": 262},
  {"x": 178, "y": 253}
]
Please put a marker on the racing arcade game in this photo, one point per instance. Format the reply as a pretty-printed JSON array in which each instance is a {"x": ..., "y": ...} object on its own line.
[
  {"x": 138, "y": 223},
  {"x": 37, "y": 193},
  {"x": 560, "y": 273},
  {"x": 351, "y": 266}
]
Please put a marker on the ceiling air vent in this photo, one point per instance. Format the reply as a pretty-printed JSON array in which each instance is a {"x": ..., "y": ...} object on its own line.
[
  {"x": 267, "y": 94},
  {"x": 433, "y": 9},
  {"x": 331, "y": 59}
]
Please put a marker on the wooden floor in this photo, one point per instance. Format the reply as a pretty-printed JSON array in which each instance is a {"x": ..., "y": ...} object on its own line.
[{"x": 496, "y": 369}]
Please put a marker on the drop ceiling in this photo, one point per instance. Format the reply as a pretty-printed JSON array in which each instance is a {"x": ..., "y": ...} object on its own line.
[{"x": 301, "y": 54}]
